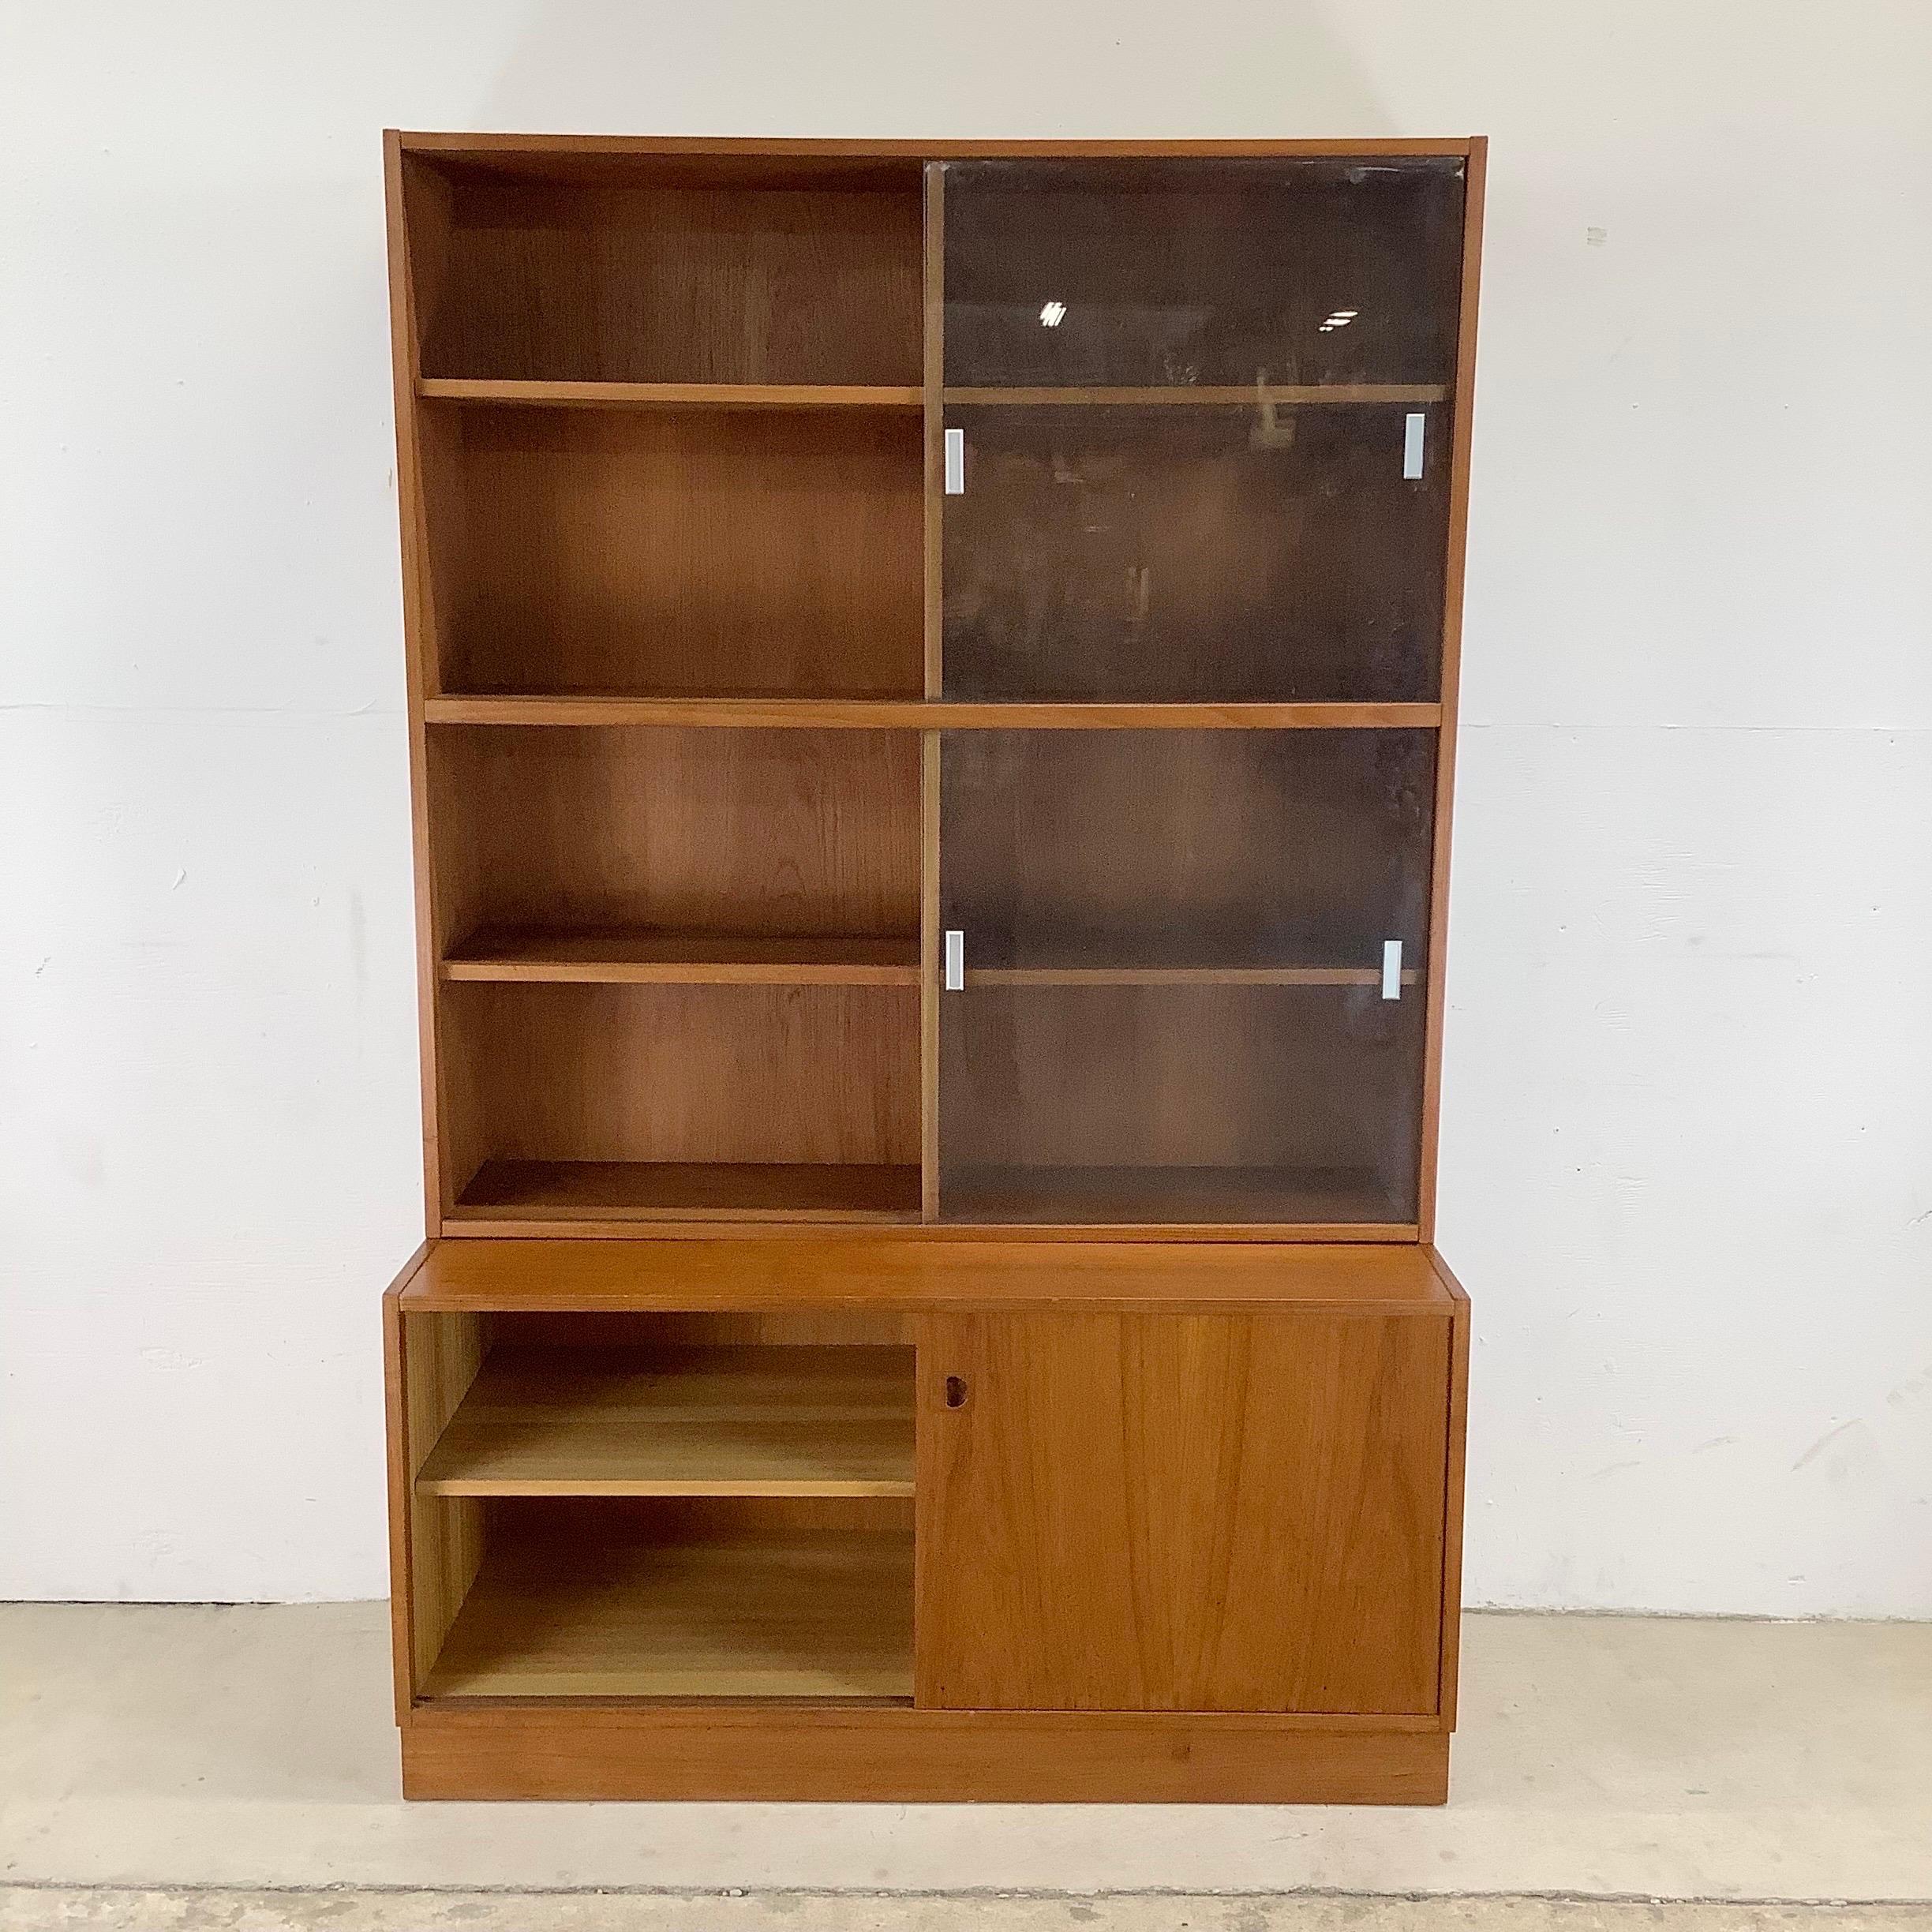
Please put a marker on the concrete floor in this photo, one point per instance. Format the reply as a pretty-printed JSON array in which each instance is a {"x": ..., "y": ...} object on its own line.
[{"x": 159, "y": 1762}]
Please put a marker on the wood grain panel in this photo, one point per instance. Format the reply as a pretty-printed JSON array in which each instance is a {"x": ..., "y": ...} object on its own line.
[
  {"x": 1457, "y": 548},
  {"x": 642, "y": 955},
  {"x": 755, "y": 160},
  {"x": 918, "y": 715},
  {"x": 731, "y": 1075},
  {"x": 717, "y": 1421},
  {"x": 440, "y": 1356},
  {"x": 900, "y": 1271},
  {"x": 568, "y": 1193},
  {"x": 416, "y": 203},
  {"x": 673, "y": 395},
  {"x": 758, "y": 831},
  {"x": 401, "y": 1474},
  {"x": 652, "y": 283},
  {"x": 805, "y": 1328},
  {"x": 1191, "y": 1513},
  {"x": 896, "y": 1754},
  {"x": 1455, "y": 1483},
  {"x": 697, "y": 553},
  {"x": 821, "y": 1614}
]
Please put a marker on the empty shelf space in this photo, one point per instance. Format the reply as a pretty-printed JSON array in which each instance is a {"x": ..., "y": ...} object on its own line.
[
  {"x": 645, "y": 956},
  {"x": 673, "y": 395},
  {"x": 544, "y": 1190},
  {"x": 1199, "y": 395},
  {"x": 1117, "y": 1196},
  {"x": 1074, "y": 976},
  {"x": 740, "y": 1421},
  {"x": 795, "y": 1613}
]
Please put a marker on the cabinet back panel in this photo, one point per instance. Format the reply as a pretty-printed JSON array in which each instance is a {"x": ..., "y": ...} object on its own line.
[
  {"x": 778, "y": 832},
  {"x": 679, "y": 284},
  {"x": 715, "y": 1074},
  {"x": 686, "y": 553}
]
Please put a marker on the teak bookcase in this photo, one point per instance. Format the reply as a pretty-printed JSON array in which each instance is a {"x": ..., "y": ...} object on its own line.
[{"x": 932, "y": 689}]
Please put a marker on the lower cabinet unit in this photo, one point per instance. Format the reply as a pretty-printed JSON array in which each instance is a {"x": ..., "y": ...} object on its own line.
[{"x": 835, "y": 1517}]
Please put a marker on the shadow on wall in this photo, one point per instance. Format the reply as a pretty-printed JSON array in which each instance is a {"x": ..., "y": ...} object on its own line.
[{"x": 1258, "y": 70}]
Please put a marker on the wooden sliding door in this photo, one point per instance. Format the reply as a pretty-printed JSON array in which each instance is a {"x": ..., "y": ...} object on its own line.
[{"x": 1170, "y": 1512}]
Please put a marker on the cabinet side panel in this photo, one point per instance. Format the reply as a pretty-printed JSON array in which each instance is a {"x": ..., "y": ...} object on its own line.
[
  {"x": 418, "y": 217},
  {"x": 1451, "y": 670},
  {"x": 439, "y": 1355},
  {"x": 1454, "y": 1484}
]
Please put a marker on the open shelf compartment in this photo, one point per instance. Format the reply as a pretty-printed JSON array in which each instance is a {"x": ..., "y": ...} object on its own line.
[
  {"x": 678, "y": 552},
  {"x": 722, "y": 1420},
  {"x": 657, "y": 1600},
  {"x": 666, "y": 268},
  {"x": 673, "y": 1506},
  {"x": 679, "y": 974}
]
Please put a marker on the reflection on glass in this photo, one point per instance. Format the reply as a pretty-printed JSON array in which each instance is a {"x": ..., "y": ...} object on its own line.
[
  {"x": 1180, "y": 273},
  {"x": 1249, "y": 554},
  {"x": 1174, "y": 1003}
]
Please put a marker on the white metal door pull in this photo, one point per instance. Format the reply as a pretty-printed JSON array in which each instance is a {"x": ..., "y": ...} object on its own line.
[
  {"x": 955, "y": 462},
  {"x": 1391, "y": 969},
  {"x": 1413, "y": 432},
  {"x": 955, "y": 961}
]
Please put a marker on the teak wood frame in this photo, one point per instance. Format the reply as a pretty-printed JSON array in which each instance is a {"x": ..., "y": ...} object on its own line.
[{"x": 907, "y": 1270}]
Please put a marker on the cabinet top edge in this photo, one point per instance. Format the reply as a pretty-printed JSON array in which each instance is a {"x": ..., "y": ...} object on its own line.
[
  {"x": 909, "y": 1275},
  {"x": 456, "y": 146}
]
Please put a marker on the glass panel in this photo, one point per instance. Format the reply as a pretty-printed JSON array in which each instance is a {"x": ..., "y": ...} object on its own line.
[
  {"x": 1173, "y": 1007},
  {"x": 1237, "y": 554},
  {"x": 1180, "y": 273},
  {"x": 1206, "y": 414}
]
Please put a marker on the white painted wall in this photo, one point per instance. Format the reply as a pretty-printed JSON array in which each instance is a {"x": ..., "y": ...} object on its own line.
[{"x": 1687, "y": 1167}]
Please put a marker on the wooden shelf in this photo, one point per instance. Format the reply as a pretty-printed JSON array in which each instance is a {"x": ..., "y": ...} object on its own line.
[
  {"x": 819, "y": 1614},
  {"x": 673, "y": 395},
  {"x": 1125, "y": 1196},
  {"x": 530, "y": 1190},
  {"x": 900, "y": 1272},
  {"x": 764, "y": 1422},
  {"x": 920, "y": 714},
  {"x": 637, "y": 955},
  {"x": 1198, "y": 396},
  {"x": 1180, "y": 975}
]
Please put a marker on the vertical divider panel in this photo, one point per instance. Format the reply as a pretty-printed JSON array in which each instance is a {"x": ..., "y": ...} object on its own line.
[
  {"x": 1463, "y": 399},
  {"x": 929, "y": 993},
  {"x": 935, "y": 376},
  {"x": 934, "y": 373}
]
